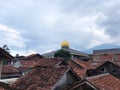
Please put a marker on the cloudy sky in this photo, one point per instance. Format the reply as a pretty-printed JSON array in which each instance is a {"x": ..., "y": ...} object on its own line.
[{"x": 30, "y": 26}]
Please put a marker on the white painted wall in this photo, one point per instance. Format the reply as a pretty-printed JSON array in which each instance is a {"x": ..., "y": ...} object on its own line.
[
  {"x": 62, "y": 81},
  {"x": 17, "y": 64}
]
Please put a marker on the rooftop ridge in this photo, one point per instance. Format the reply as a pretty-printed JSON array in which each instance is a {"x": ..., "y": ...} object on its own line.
[
  {"x": 52, "y": 66},
  {"x": 96, "y": 76}
]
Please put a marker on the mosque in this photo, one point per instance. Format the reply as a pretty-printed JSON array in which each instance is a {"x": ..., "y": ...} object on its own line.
[{"x": 65, "y": 45}]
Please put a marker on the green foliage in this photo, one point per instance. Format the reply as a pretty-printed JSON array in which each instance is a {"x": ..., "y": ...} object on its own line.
[
  {"x": 5, "y": 47},
  {"x": 62, "y": 53},
  {"x": 4, "y": 62}
]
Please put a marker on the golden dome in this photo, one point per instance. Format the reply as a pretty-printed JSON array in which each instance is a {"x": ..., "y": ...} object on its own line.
[{"x": 65, "y": 44}]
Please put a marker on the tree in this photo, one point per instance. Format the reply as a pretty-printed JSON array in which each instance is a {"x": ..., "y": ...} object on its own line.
[
  {"x": 62, "y": 53},
  {"x": 5, "y": 47}
]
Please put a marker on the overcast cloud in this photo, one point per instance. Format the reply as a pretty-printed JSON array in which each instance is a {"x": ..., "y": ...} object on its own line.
[{"x": 30, "y": 26}]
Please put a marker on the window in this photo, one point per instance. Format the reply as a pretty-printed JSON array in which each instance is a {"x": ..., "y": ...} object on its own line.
[{"x": 103, "y": 69}]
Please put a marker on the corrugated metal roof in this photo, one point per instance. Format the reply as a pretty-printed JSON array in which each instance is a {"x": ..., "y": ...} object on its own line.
[{"x": 72, "y": 51}]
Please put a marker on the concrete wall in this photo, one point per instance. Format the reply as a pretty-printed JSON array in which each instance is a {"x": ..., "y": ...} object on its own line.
[{"x": 112, "y": 57}]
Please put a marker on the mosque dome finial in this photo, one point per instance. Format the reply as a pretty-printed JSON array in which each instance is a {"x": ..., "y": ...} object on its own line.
[{"x": 65, "y": 44}]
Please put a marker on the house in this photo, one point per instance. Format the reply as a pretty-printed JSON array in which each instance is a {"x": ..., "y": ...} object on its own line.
[
  {"x": 91, "y": 64},
  {"x": 107, "y": 54},
  {"x": 82, "y": 85},
  {"x": 78, "y": 69},
  {"x": 98, "y": 82},
  {"x": 66, "y": 47},
  {"x": 27, "y": 65},
  {"x": 51, "y": 62},
  {"x": 24, "y": 63},
  {"x": 105, "y": 82},
  {"x": 93, "y": 67},
  {"x": 106, "y": 67},
  {"x": 5, "y": 58},
  {"x": 85, "y": 64},
  {"x": 46, "y": 78},
  {"x": 27, "y": 61},
  {"x": 10, "y": 72},
  {"x": 81, "y": 67},
  {"x": 33, "y": 57}
]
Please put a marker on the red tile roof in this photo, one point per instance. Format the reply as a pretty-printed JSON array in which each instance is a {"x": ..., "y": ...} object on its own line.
[
  {"x": 95, "y": 63},
  {"x": 80, "y": 66},
  {"x": 98, "y": 82},
  {"x": 7, "y": 69},
  {"x": 91, "y": 64},
  {"x": 80, "y": 72},
  {"x": 48, "y": 62},
  {"x": 33, "y": 57},
  {"x": 30, "y": 60},
  {"x": 22, "y": 69},
  {"x": 40, "y": 78},
  {"x": 105, "y": 82},
  {"x": 84, "y": 64},
  {"x": 40, "y": 62},
  {"x": 28, "y": 63},
  {"x": 2, "y": 88},
  {"x": 77, "y": 69}
]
